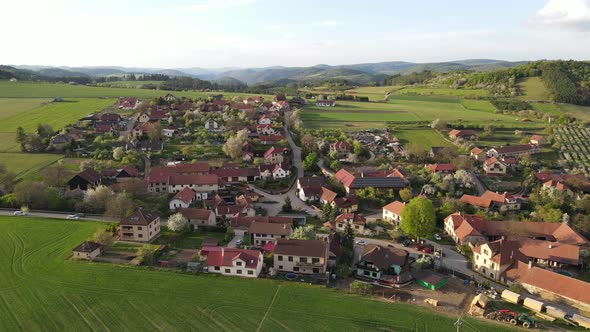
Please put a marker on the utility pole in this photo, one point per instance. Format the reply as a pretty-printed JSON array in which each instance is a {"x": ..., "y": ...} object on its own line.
[{"x": 459, "y": 323}]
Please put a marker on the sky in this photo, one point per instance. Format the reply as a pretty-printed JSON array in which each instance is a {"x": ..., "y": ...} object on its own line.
[{"x": 263, "y": 33}]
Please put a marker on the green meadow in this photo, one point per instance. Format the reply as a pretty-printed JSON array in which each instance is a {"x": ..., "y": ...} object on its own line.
[{"x": 43, "y": 289}]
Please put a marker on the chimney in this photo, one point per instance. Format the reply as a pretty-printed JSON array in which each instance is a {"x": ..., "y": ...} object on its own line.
[
  {"x": 222, "y": 251},
  {"x": 550, "y": 246},
  {"x": 530, "y": 263}
]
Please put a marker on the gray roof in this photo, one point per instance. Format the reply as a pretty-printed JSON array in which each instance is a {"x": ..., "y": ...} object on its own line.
[{"x": 379, "y": 182}]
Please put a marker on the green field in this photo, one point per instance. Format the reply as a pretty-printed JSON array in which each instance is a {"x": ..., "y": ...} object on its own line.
[
  {"x": 24, "y": 164},
  {"x": 533, "y": 89},
  {"x": 52, "y": 90},
  {"x": 433, "y": 91},
  {"x": 57, "y": 115},
  {"x": 425, "y": 138},
  {"x": 577, "y": 111},
  {"x": 128, "y": 84},
  {"x": 42, "y": 289},
  {"x": 13, "y": 106},
  {"x": 408, "y": 109}
]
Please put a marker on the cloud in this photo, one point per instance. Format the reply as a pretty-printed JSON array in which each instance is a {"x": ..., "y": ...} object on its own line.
[
  {"x": 329, "y": 23},
  {"x": 572, "y": 14}
]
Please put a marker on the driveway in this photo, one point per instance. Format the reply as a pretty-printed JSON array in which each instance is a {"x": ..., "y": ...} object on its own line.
[
  {"x": 276, "y": 208},
  {"x": 232, "y": 243}
]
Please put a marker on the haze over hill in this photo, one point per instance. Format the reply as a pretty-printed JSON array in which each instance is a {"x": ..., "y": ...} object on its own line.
[{"x": 362, "y": 73}]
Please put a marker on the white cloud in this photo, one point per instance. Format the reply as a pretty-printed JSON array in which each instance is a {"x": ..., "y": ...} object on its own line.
[
  {"x": 329, "y": 23},
  {"x": 574, "y": 14}
]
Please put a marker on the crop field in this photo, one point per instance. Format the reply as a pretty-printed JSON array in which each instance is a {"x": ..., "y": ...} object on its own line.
[
  {"x": 575, "y": 143},
  {"x": 25, "y": 164},
  {"x": 128, "y": 84},
  {"x": 52, "y": 90},
  {"x": 533, "y": 89},
  {"x": 56, "y": 115},
  {"x": 42, "y": 289},
  {"x": 408, "y": 109}
]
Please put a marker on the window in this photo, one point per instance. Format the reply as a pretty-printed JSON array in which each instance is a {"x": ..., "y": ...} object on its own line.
[
  {"x": 238, "y": 263},
  {"x": 356, "y": 227},
  {"x": 140, "y": 235},
  {"x": 315, "y": 260},
  {"x": 492, "y": 275},
  {"x": 217, "y": 268},
  {"x": 227, "y": 271},
  {"x": 239, "y": 271},
  {"x": 303, "y": 259},
  {"x": 139, "y": 228},
  {"x": 290, "y": 258},
  {"x": 280, "y": 258},
  {"x": 250, "y": 272},
  {"x": 280, "y": 267},
  {"x": 374, "y": 274},
  {"x": 485, "y": 251},
  {"x": 296, "y": 269},
  {"x": 316, "y": 270}
]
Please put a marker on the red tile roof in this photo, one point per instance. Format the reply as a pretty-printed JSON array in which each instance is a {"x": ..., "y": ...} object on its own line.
[
  {"x": 269, "y": 228},
  {"x": 327, "y": 195},
  {"x": 435, "y": 168},
  {"x": 226, "y": 257},
  {"x": 304, "y": 248},
  {"x": 344, "y": 177},
  {"x": 356, "y": 218},
  {"x": 395, "y": 207},
  {"x": 192, "y": 213},
  {"x": 274, "y": 150},
  {"x": 186, "y": 195},
  {"x": 139, "y": 217}
]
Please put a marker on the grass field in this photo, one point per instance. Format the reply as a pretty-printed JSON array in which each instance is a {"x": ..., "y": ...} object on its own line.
[
  {"x": 25, "y": 163},
  {"x": 128, "y": 84},
  {"x": 56, "y": 115},
  {"x": 42, "y": 289},
  {"x": 408, "y": 109},
  {"x": 533, "y": 89},
  {"x": 579, "y": 112},
  {"x": 52, "y": 90},
  {"x": 433, "y": 91},
  {"x": 13, "y": 106},
  {"x": 426, "y": 138}
]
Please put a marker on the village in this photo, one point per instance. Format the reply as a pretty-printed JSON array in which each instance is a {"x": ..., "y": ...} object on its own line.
[{"x": 238, "y": 188}]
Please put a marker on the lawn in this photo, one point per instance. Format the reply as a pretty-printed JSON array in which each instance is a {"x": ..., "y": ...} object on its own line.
[
  {"x": 188, "y": 240},
  {"x": 409, "y": 109},
  {"x": 42, "y": 289},
  {"x": 533, "y": 89},
  {"x": 426, "y": 138},
  {"x": 52, "y": 90},
  {"x": 27, "y": 164},
  {"x": 57, "y": 115},
  {"x": 13, "y": 106}
]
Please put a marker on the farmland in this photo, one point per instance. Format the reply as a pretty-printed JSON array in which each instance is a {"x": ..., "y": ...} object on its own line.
[
  {"x": 52, "y": 90},
  {"x": 575, "y": 143},
  {"x": 57, "y": 115},
  {"x": 13, "y": 106},
  {"x": 426, "y": 138},
  {"x": 409, "y": 109},
  {"x": 24, "y": 164},
  {"x": 44, "y": 290}
]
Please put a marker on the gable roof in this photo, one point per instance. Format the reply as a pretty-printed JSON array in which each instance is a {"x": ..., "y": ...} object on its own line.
[
  {"x": 226, "y": 257},
  {"x": 440, "y": 167},
  {"x": 87, "y": 246},
  {"x": 269, "y": 228},
  {"x": 274, "y": 150},
  {"x": 513, "y": 148},
  {"x": 492, "y": 161},
  {"x": 306, "y": 248},
  {"x": 327, "y": 195},
  {"x": 192, "y": 213},
  {"x": 344, "y": 177},
  {"x": 89, "y": 175},
  {"x": 357, "y": 219},
  {"x": 395, "y": 207},
  {"x": 186, "y": 195},
  {"x": 139, "y": 217},
  {"x": 384, "y": 257},
  {"x": 379, "y": 182}
]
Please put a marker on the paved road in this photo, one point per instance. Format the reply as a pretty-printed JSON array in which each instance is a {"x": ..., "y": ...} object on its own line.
[
  {"x": 294, "y": 148},
  {"x": 56, "y": 215},
  {"x": 325, "y": 171},
  {"x": 232, "y": 243},
  {"x": 275, "y": 208}
]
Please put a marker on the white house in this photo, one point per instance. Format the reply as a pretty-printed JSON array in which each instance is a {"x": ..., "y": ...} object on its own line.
[
  {"x": 392, "y": 212},
  {"x": 264, "y": 120},
  {"x": 493, "y": 166},
  {"x": 183, "y": 199},
  {"x": 211, "y": 125},
  {"x": 233, "y": 262}
]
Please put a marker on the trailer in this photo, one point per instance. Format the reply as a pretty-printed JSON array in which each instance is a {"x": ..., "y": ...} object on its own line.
[
  {"x": 534, "y": 304},
  {"x": 555, "y": 312},
  {"x": 511, "y": 297}
]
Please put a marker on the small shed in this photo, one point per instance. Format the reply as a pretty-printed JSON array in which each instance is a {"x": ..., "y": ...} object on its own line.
[
  {"x": 430, "y": 279},
  {"x": 87, "y": 250},
  {"x": 534, "y": 304},
  {"x": 555, "y": 312},
  {"x": 511, "y": 297}
]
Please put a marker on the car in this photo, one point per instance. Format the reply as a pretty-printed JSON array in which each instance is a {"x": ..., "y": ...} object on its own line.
[
  {"x": 419, "y": 247},
  {"x": 72, "y": 217},
  {"x": 407, "y": 243},
  {"x": 426, "y": 250},
  {"x": 19, "y": 213},
  {"x": 239, "y": 242},
  {"x": 361, "y": 242},
  {"x": 81, "y": 215},
  {"x": 437, "y": 237}
]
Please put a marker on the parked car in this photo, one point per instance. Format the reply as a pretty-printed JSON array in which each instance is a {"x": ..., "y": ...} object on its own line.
[
  {"x": 361, "y": 242},
  {"x": 81, "y": 215},
  {"x": 426, "y": 250},
  {"x": 419, "y": 247},
  {"x": 437, "y": 237},
  {"x": 19, "y": 213},
  {"x": 407, "y": 243},
  {"x": 239, "y": 242},
  {"x": 72, "y": 217}
]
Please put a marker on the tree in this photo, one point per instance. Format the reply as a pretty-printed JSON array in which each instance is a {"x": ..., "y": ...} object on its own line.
[
  {"x": 229, "y": 234},
  {"x": 187, "y": 151},
  {"x": 31, "y": 193},
  {"x": 347, "y": 240},
  {"x": 154, "y": 132},
  {"x": 177, "y": 223},
  {"x": 119, "y": 206},
  {"x": 146, "y": 254},
  {"x": 326, "y": 212},
  {"x": 396, "y": 234},
  {"x": 406, "y": 194},
  {"x": 21, "y": 137},
  {"x": 304, "y": 233},
  {"x": 419, "y": 218},
  {"x": 287, "y": 207},
  {"x": 488, "y": 130},
  {"x": 104, "y": 237},
  {"x": 361, "y": 287},
  {"x": 310, "y": 161},
  {"x": 88, "y": 164},
  {"x": 118, "y": 153},
  {"x": 335, "y": 165},
  {"x": 308, "y": 141},
  {"x": 98, "y": 198}
]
